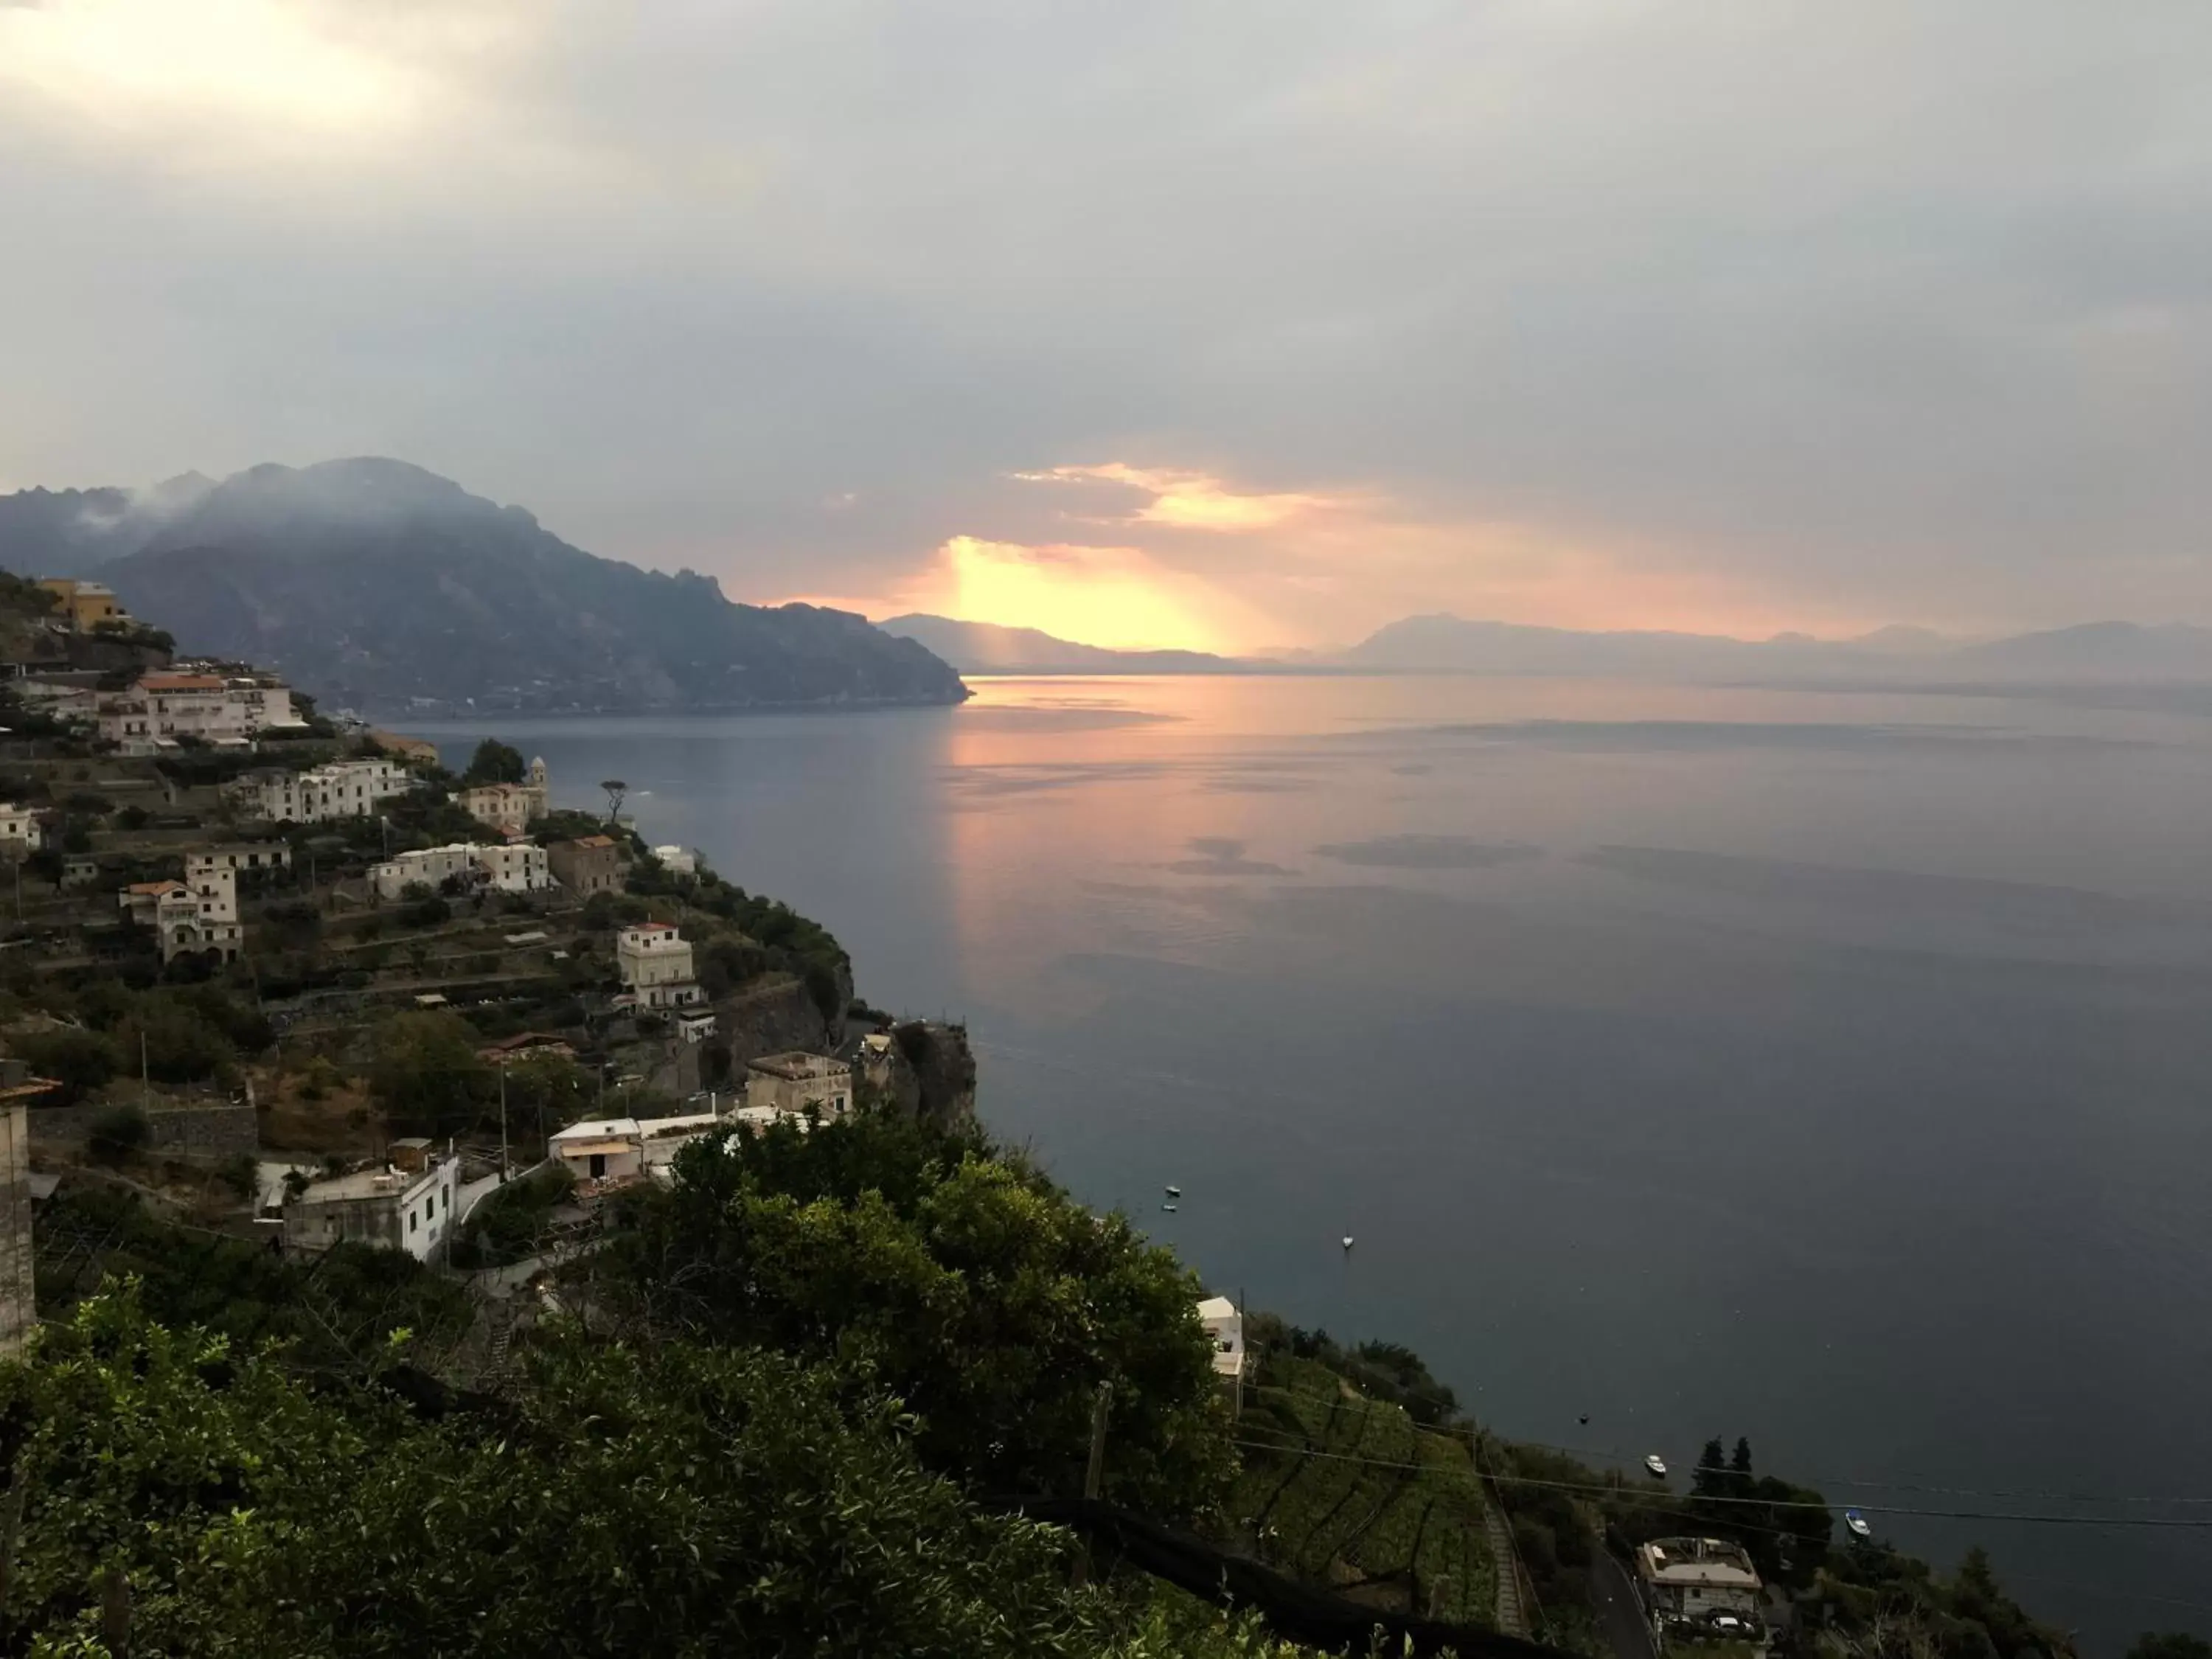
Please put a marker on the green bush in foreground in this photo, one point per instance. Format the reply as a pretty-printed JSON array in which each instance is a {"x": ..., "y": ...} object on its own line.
[
  {"x": 975, "y": 1290},
  {"x": 686, "y": 1500}
]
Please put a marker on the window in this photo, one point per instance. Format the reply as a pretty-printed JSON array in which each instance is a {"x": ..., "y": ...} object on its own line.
[
  {"x": 430, "y": 1205},
  {"x": 412, "y": 1220}
]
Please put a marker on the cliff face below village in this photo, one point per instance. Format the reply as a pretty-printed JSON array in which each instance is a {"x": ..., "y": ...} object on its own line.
[{"x": 926, "y": 1070}]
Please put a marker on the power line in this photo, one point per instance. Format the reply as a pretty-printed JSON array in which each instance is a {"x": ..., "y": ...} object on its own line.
[
  {"x": 1616, "y": 1454},
  {"x": 1898, "y": 1486},
  {"x": 2170, "y": 1522}
]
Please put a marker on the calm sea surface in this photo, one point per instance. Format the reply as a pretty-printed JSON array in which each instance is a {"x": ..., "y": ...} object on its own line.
[{"x": 1832, "y": 1069}]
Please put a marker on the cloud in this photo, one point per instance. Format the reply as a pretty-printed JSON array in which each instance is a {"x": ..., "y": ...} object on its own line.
[
  {"x": 1191, "y": 500},
  {"x": 1701, "y": 316}
]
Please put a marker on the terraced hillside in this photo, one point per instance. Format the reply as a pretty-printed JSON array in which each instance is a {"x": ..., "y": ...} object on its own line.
[{"x": 1360, "y": 1499}]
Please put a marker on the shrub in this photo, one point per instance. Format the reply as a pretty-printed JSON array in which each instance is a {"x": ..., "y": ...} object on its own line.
[{"x": 118, "y": 1135}]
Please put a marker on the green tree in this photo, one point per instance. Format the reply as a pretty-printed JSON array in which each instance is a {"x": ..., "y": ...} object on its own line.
[
  {"x": 171, "y": 1029},
  {"x": 81, "y": 1061},
  {"x": 545, "y": 1093},
  {"x": 426, "y": 1074},
  {"x": 725, "y": 1502},
  {"x": 2169, "y": 1645},
  {"x": 973, "y": 1288},
  {"x": 495, "y": 761},
  {"x": 118, "y": 1133},
  {"x": 1710, "y": 1478}
]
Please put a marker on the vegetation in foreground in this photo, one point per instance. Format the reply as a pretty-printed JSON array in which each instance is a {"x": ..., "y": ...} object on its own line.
[{"x": 773, "y": 1418}]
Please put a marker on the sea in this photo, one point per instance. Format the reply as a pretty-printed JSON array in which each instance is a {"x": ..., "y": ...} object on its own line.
[{"x": 1831, "y": 1068}]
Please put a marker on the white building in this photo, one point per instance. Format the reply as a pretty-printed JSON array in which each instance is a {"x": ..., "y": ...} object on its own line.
[
  {"x": 510, "y": 808},
  {"x": 201, "y": 914},
  {"x": 343, "y": 789},
  {"x": 515, "y": 866},
  {"x": 654, "y": 961},
  {"x": 213, "y": 708},
  {"x": 676, "y": 861},
  {"x": 20, "y": 824},
  {"x": 790, "y": 1083},
  {"x": 241, "y": 856},
  {"x": 509, "y": 867},
  {"x": 1226, "y": 1325},
  {"x": 214, "y": 887},
  {"x": 398, "y": 1209},
  {"x": 604, "y": 1149},
  {"x": 619, "y": 1149},
  {"x": 1700, "y": 1588}
]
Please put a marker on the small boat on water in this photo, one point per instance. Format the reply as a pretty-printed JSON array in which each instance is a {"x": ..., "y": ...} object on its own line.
[
  {"x": 1175, "y": 1192},
  {"x": 1857, "y": 1523},
  {"x": 1347, "y": 1243},
  {"x": 1170, "y": 1209},
  {"x": 1658, "y": 1465}
]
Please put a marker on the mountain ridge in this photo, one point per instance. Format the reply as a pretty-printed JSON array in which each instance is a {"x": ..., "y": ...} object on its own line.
[
  {"x": 2095, "y": 652},
  {"x": 974, "y": 647},
  {"x": 379, "y": 584}
]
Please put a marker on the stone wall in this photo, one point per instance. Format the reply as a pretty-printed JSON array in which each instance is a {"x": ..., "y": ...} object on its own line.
[{"x": 199, "y": 1131}]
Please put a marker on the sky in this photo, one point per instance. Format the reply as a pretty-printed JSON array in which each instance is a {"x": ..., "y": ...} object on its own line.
[{"x": 1224, "y": 324}]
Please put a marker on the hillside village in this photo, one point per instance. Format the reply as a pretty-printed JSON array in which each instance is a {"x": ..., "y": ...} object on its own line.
[
  {"x": 275, "y": 985},
  {"x": 285, "y": 975}
]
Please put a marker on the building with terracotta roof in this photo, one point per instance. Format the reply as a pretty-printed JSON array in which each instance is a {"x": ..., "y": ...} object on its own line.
[
  {"x": 160, "y": 709},
  {"x": 201, "y": 914}
]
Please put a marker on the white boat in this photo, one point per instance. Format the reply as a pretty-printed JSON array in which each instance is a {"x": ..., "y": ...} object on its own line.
[
  {"x": 1170, "y": 1209},
  {"x": 1347, "y": 1243},
  {"x": 1857, "y": 1523},
  {"x": 1175, "y": 1192},
  {"x": 1658, "y": 1465}
]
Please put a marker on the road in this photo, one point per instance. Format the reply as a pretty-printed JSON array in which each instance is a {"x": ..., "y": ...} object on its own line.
[{"x": 1619, "y": 1610}]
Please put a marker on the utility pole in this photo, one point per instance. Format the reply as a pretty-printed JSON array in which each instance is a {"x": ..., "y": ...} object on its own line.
[
  {"x": 145, "y": 1076},
  {"x": 1094, "y": 1475},
  {"x": 503, "y": 1120}
]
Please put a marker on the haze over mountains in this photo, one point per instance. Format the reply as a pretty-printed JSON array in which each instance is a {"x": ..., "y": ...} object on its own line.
[
  {"x": 974, "y": 648},
  {"x": 2103, "y": 652},
  {"x": 376, "y": 584}
]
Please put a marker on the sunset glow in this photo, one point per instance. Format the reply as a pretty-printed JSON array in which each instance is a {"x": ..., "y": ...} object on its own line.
[
  {"x": 1108, "y": 596},
  {"x": 1192, "y": 501}
]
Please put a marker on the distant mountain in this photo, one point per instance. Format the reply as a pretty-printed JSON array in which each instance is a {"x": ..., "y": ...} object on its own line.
[
  {"x": 1447, "y": 642},
  {"x": 71, "y": 533},
  {"x": 376, "y": 584},
  {"x": 2093, "y": 654},
  {"x": 987, "y": 648},
  {"x": 2100, "y": 651},
  {"x": 1901, "y": 640}
]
